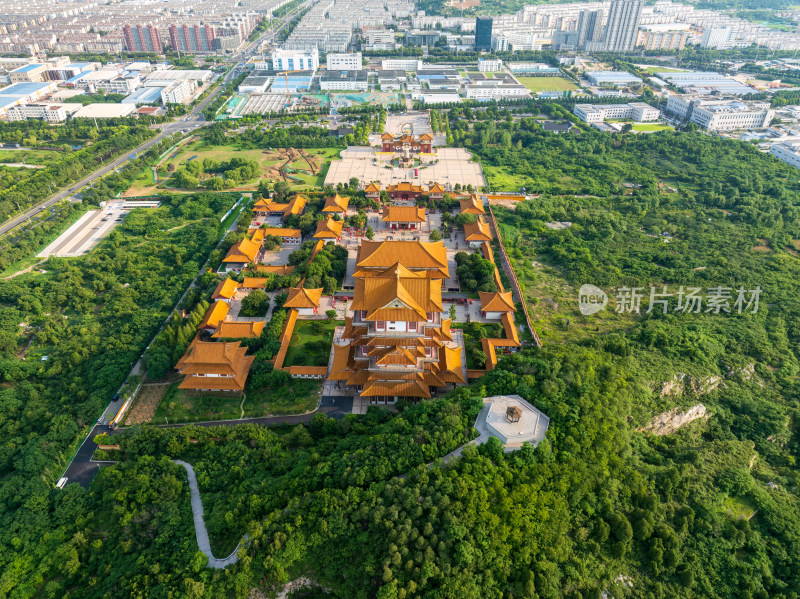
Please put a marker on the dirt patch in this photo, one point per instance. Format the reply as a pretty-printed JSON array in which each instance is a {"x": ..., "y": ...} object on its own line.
[
  {"x": 24, "y": 270},
  {"x": 462, "y": 4},
  {"x": 761, "y": 246},
  {"x": 144, "y": 408}
]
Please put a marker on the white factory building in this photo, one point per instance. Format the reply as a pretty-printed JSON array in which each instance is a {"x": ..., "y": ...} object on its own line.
[
  {"x": 788, "y": 152},
  {"x": 719, "y": 114},
  {"x": 636, "y": 111}
]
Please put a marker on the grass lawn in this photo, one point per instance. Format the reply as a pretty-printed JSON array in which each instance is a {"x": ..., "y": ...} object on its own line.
[
  {"x": 548, "y": 84},
  {"x": 473, "y": 333},
  {"x": 295, "y": 397},
  {"x": 43, "y": 157},
  {"x": 311, "y": 343},
  {"x": 737, "y": 508},
  {"x": 180, "y": 406},
  {"x": 654, "y": 70},
  {"x": 270, "y": 160},
  {"x": 652, "y": 127}
]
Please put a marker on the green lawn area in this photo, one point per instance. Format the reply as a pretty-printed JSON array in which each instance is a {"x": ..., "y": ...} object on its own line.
[
  {"x": 311, "y": 343},
  {"x": 654, "y": 70},
  {"x": 473, "y": 333},
  {"x": 539, "y": 84},
  {"x": 651, "y": 127},
  {"x": 295, "y": 397},
  {"x": 738, "y": 508},
  {"x": 268, "y": 159},
  {"x": 43, "y": 157},
  {"x": 180, "y": 406}
]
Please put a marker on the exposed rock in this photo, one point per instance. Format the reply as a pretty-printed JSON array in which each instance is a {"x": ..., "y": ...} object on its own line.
[
  {"x": 682, "y": 382},
  {"x": 670, "y": 421}
]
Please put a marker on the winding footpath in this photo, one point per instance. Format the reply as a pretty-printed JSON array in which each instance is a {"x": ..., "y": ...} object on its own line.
[{"x": 200, "y": 531}]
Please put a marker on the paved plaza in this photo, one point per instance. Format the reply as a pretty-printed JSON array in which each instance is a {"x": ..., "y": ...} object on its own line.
[{"x": 448, "y": 167}]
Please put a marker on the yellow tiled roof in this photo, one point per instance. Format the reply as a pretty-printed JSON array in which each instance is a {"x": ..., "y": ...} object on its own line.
[
  {"x": 412, "y": 254},
  {"x": 226, "y": 289},
  {"x": 372, "y": 188},
  {"x": 254, "y": 283},
  {"x": 303, "y": 298},
  {"x": 329, "y": 229},
  {"x": 204, "y": 358},
  {"x": 403, "y": 214},
  {"x": 214, "y": 315},
  {"x": 471, "y": 205},
  {"x": 239, "y": 330},
  {"x": 477, "y": 231},
  {"x": 244, "y": 251},
  {"x": 497, "y": 301},
  {"x": 336, "y": 204}
]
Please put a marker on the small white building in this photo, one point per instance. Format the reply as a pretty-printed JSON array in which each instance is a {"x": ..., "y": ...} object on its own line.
[
  {"x": 50, "y": 113},
  {"x": 488, "y": 65},
  {"x": 350, "y": 61},
  {"x": 788, "y": 152},
  {"x": 640, "y": 112},
  {"x": 486, "y": 91},
  {"x": 512, "y": 420}
]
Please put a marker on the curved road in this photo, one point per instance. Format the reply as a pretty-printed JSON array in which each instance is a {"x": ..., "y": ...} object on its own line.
[{"x": 200, "y": 531}]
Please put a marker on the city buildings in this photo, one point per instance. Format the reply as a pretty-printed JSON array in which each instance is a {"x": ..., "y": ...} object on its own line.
[
  {"x": 192, "y": 38},
  {"x": 622, "y": 25},
  {"x": 483, "y": 33},
  {"x": 295, "y": 60},
  {"x": 597, "y": 113},
  {"x": 590, "y": 30}
]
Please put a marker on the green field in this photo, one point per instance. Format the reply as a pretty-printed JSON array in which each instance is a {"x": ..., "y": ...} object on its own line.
[
  {"x": 652, "y": 127},
  {"x": 654, "y": 70},
  {"x": 270, "y": 160},
  {"x": 43, "y": 157},
  {"x": 547, "y": 84},
  {"x": 311, "y": 343}
]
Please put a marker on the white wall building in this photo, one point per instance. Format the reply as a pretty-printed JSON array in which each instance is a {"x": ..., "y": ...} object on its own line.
[
  {"x": 716, "y": 37},
  {"x": 495, "y": 92},
  {"x": 489, "y": 65},
  {"x": 788, "y": 152},
  {"x": 178, "y": 92},
  {"x": 344, "y": 62},
  {"x": 729, "y": 115},
  {"x": 401, "y": 64},
  {"x": 597, "y": 113},
  {"x": 51, "y": 113},
  {"x": 295, "y": 60}
]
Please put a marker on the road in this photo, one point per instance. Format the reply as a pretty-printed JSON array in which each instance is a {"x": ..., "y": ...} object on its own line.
[
  {"x": 187, "y": 124},
  {"x": 82, "y": 469}
]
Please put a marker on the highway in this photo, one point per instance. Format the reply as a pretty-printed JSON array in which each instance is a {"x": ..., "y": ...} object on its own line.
[{"x": 188, "y": 123}]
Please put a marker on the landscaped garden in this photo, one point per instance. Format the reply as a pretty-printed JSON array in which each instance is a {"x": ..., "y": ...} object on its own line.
[{"x": 311, "y": 343}]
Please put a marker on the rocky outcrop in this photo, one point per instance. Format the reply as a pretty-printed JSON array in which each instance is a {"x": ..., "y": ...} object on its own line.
[
  {"x": 670, "y": 421},
  {"x": 699, "y": 385}
]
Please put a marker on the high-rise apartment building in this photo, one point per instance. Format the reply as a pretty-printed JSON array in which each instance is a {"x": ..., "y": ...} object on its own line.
[
  {"x": 622, "y": 27},
  {"x": 590, "y": 28},
  {"x": 192, "y": 38},
  {"x": 142, "y": 39},
  {"x": 483, "y": 33}
]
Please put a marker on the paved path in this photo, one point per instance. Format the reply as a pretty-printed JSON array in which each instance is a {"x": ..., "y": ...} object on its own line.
[
  {"x": 200, "y": 525},
  {"x": 82, "y": 469}
]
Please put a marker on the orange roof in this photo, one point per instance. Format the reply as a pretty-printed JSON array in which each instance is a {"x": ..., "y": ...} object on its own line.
[
  {"x": 404, "y": 186},
  {"x": 329, "y": 229},
  {"x": 239, "y": 330},
  {"x": 496, "y": 302},
  {"x": 282, "y": 232},
  {"x": 471, "y": 205},
  {"x": 414, "y": 255},
  {"x": 403, "y": 214},
  {"x": 258, "y": 236},
  {"x": 450, "y": 365},
  {"x": 510, "y": 328},
  {"x": 226, "y": 360},
  {"x": 226, "y": 289},
  {"x": 396, "y": 389},
  {"x": 284, "y": 269},
  {"x": 426, "y": 137},
  {"x": 303, "y": 298},
  {"x": 393, "y": 295},
  {"x": 436, "y": 188},
  {"x": 254, "y": 283},
  {"x": 477, "y": 231},
  {"x": 342, "y": 366},
  {"x": 387, "y": 136},
  {"x": 372, "y": 188},
  {"x": 243, "y": 252},
  {"x": 214, "y": 315},
  {"x": 297, "y": 204},
  {"x": 336, "y": 204},
  {"x": 261, "y": 205}
]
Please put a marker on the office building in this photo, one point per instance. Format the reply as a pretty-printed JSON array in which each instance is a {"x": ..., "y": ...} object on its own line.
[
  {"x": 489, "y": 66},
  {"x": 622, "y": 26},
  {"x": 350, "y": 61},
  {"x": 720, "y": 114},
  {"x": 483, "y": 33},
  {"x": 343, "y": 81},
  {"x": 611, "y": 78},
  {"x": 142, "y": 39},
  {"x": 635, "y": 111},
  {"x": 50, "y": 113},
  {"x": 295, "y": 60}
]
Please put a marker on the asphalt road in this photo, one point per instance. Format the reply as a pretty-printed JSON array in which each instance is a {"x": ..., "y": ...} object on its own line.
[{"x": 82, "y": 469}]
